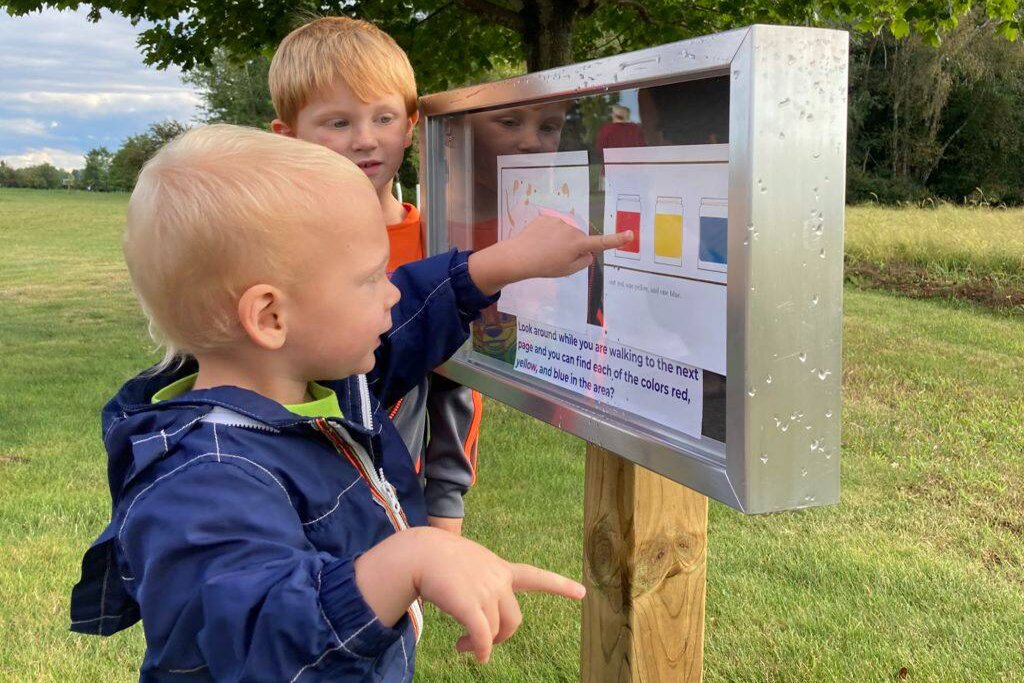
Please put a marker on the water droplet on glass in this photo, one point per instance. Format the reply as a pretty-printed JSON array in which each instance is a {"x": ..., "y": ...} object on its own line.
[
  {"x": 823, "y": 374},
  {"x": 816, "y": 155},
  {"x": 815, "y": 444},
  {"x": 802, "y": 357},
  {"x": 785, "y": 427},
  {"x": 828, "y": 413},
  {"x": 784, "y": 101},
  {"x": 821, "y": 253},
  {"x": 764, "y": 458},
  {"x": 814, "y": 300},
  {"x": 751, "y": 392},
  {"x": 803, "y": 472},
  {"x": 782, "y": 135},
  {"x": 768, "y": 379}
]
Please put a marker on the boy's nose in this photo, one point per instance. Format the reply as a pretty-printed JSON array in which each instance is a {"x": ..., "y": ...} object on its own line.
[
  {"x": 529, "y": 141},
  {"x": 396, "y": 295},
  {"x": 364, "y": 140}
]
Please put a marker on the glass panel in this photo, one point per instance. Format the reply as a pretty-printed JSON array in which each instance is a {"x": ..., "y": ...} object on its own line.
[{"x": 642, "y": 331}]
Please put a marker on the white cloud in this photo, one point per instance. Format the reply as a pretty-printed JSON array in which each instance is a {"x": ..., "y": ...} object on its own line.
[
  {"x": 61, "y": 158},
  {"x": 60, "y": 64},
  {"x": 174, "y": 103},
  {"x": 24, "y": 126}
]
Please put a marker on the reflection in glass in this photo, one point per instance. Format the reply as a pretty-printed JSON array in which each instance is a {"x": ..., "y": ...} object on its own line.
[{"x": 688, "y": 113}]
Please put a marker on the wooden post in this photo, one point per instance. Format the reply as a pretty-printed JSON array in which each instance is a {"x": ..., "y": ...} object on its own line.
[{"x": 645, "y": 568}]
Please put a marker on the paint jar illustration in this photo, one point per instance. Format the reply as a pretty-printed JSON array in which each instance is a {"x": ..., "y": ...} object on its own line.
[
  {"x": 668, "y": 230},
  {"x": 713, "y": 251},
  {"x": 627, "y": 217}
]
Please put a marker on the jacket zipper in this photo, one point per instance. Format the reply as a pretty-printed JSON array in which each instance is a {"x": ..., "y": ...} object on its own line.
[{"x": 384, "y": 493}]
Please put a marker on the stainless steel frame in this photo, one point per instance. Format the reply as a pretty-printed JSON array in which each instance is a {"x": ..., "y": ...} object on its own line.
[{"x": 787, "y": 160}]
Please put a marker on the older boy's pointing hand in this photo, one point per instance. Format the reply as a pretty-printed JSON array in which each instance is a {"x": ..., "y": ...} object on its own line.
[{"x": 550, "y": 246}]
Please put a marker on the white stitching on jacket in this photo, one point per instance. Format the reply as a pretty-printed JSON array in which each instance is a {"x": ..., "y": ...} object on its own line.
[
  {"x": 341, "y": 646},
  {"x": 420, "y": 310},
  {"x": 337, "y": 503},
  {"x": 136, "y": 442},
  {"x": 156, "y": 481}
]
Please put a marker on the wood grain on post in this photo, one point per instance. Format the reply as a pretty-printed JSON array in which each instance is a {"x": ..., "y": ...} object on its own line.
[{"x": 645, "y": 568}]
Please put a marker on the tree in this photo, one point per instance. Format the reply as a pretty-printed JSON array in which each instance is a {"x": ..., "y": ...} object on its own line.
[
  {"x": 234, "y": 90},
  {"x": 454, "y": 41},
  {"x": 96, "y": 173},
  {"x": 8, "y": 177},
  {"x": 39, "y": 177},
  {"x": 936, "y": 120},
  {"x": 137, "y": 150}
]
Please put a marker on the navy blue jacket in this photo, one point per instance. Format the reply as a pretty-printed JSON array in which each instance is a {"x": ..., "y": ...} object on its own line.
[{"x": 235, "y": 523}]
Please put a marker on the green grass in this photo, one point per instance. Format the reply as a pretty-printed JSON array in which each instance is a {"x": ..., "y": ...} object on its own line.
[
  {"x": 920, "y": 566},
  {"x": 954, "y": 252}
]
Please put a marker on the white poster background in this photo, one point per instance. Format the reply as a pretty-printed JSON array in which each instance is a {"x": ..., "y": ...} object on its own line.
[
  {"x": 672, "y": 309},
  {"x": 528, "y": 183}
]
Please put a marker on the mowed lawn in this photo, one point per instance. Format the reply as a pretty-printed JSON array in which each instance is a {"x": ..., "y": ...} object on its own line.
[{"x": 920, "y": 566}]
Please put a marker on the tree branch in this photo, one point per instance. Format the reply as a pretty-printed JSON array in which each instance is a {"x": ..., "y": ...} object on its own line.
[
  {"x": 497, "y": 14},
  {"x": 637, "y": 7}
]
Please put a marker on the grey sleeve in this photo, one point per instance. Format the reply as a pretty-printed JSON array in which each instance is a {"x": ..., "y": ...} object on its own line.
[{"x": 453, "y": 413}]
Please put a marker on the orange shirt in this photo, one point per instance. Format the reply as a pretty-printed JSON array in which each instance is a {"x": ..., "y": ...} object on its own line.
[{"x": 406, "y": 239}]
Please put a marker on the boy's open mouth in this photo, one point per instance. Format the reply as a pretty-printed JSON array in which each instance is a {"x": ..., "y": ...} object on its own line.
[{"x": 369, "y": 167}]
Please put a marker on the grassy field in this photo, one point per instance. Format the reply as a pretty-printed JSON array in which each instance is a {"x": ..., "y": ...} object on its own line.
[
  {"x": 921, "y": 565},
  {"x": 948, "y": 251}
]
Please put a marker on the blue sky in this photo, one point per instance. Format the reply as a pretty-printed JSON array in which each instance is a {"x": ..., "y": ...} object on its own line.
[{"x": 67, "y": 85}]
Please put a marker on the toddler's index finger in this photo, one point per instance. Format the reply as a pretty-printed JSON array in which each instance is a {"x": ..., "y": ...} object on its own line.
[
  {"x": 616, "y": 240},
  {"x": 527, "y": 578}
]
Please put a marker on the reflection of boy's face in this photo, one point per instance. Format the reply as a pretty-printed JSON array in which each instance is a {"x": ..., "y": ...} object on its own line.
[{"x": 521, "y": 130}]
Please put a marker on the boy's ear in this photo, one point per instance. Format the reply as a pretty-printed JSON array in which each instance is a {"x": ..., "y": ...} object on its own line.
[
  {"x": 282, "y": 128},
  {"x": 261, "y": 312},
  {"x": 413, "y": 119}
]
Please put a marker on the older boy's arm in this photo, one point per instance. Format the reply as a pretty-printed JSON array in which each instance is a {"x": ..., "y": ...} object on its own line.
[{"x": 228, "y": 583}]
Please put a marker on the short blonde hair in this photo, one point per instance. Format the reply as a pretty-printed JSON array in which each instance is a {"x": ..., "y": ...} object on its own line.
[
  {"x": 313, "y": 56},
  {"x": 219, "y": 209}
]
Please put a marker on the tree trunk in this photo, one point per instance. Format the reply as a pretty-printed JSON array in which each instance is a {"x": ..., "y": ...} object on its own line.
[{"x": 547, "y": 27}]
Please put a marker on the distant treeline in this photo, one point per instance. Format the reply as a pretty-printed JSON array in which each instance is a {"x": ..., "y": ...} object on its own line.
[{"x": 39, "y": 177}]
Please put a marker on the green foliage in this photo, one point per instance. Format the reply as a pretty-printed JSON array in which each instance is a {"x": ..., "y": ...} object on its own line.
[
  {"x": 452, "y": 43},
  {"x": 942, "y": 120},
  {"x": 234, "y": 90},
  {"x": 96, "y": 174},
  {"x": 39, "y": 177},
  {"x": 7, "y": 175},
  {"x": 136, "y": 150}
]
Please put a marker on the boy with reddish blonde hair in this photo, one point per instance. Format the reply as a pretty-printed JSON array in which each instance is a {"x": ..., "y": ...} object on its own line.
[{"x": 346, "y": 85}]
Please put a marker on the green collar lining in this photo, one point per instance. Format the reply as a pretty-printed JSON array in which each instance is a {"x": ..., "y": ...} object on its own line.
[{"x": 324, "y": 403}]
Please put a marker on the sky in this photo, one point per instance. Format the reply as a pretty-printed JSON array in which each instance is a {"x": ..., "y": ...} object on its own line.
[{"x": 68, "y": 85}]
